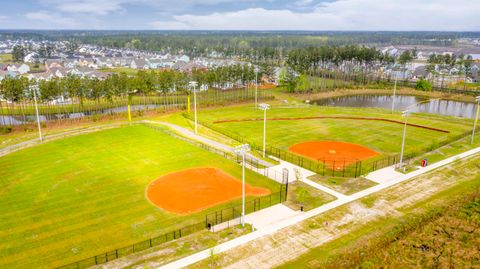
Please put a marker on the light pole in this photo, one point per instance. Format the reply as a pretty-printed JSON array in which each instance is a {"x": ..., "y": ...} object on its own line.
[
  {"x": 34, "y": 89},
  {"x": 394, "y": 93},
  {"x": 264, "y": 107},
  {"x": 404, "y": 114},
  {"x": 477, "y": 99},
  {"x": 256, "y": 85},
  {"x": 193, "y": 85},
  {"x": 242, "y": 149}
]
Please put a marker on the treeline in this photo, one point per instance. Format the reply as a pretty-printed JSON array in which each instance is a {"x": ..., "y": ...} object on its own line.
[
  {"x": 121, "y": 85},
  {"x": 260, "y": 46},
  {"x": 345, "y": 63}
]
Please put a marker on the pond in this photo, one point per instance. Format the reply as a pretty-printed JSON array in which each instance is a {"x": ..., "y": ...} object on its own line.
[
  {"x": 440, "y": 107},
  {"x": 19, "y": 119}
]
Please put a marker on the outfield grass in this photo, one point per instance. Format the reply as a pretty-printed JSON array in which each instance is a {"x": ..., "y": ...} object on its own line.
[
  {"x": 383, "y": 137},
  {"x": 80, "y": 196}
]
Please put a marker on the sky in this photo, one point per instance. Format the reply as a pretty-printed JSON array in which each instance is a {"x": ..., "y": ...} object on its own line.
[{"x": 315, "y": 15}]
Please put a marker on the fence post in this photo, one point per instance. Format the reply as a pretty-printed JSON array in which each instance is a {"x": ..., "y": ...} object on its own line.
[{"x": 323, "y": 167}]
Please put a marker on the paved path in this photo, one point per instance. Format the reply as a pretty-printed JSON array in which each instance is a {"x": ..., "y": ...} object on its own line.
[
  {"x": 387, "y": 178},
  {"x": 189, "y": 134}
]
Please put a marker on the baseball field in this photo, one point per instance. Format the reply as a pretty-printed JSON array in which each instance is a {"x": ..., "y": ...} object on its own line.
[
  {"x": 77, "y": 197},
  {"x": 377, "y": 130},
  {"x": 81, "y": 196}
]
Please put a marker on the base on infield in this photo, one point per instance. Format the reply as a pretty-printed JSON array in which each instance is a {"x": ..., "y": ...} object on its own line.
[{"x": 193, "y": 190}]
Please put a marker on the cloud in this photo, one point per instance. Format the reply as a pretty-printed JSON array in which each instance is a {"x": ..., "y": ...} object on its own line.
[
  {"x": 97, "y": 7},
  {"x": 48, "y": 17},
  {"x": 104, "y": 7},
  {"x": 441, "y": 15},
  {"x": 303, "y": 2}
]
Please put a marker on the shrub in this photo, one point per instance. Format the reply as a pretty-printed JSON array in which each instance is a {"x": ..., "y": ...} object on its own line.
[
  {"x": 6, "y": 129},
  {"x": 423, "y": 85}
]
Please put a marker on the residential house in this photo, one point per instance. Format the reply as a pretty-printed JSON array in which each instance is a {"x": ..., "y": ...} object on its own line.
[
  {"x": 19, "y": 68},
  {"x": 53, "y": 63},
  {"x": 139, "y": 64}
]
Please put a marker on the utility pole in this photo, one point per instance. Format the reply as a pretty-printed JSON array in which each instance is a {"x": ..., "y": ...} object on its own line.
[
  {"x": 404, "y": 114},
  {"x": 394, "y": 94},
  {"x": 193, "y": 85},
  {"x": 34, "y": 89},
  {"x": 477, "y": 99},
  {"x": 264, "y": 107},
  {"x": 256, "y": 86},
  {"x": 243, "y": 149}
]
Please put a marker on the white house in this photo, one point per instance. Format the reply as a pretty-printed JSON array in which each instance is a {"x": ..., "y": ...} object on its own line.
[
  {"x": 19, "y": 68},
  {"x": 31, "y": 57}
]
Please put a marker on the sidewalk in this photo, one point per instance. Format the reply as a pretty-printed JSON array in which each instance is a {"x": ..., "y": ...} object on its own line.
[{"x": 386, "y": 178}]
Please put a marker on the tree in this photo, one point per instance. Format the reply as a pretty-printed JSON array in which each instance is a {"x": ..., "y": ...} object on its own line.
[
  {"x": 18, "y": 53},
  {"x": 423, "y": 85},
  {"x": 405, "y": 58},
  {"x": 288, "y": 78},
  {"x": 71, "y": 47},
  {"x": 467, "y": 62}
]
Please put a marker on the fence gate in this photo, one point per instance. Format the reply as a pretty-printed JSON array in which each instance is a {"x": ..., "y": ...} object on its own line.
[
  {"x": 284, "y": 181},
  {"x": 285, "y": 176}
]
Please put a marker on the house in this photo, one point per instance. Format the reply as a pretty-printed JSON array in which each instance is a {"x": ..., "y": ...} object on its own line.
[
  {"x": 40, "y": 76},
  {"x": 3, "y": 67},
  {"x": 184, "y": 58},
  {"x": 53, "y": 63},
  {"x": 59, "y": 72},
  {"x": 19, "y": 68},
  {"x": 31, "y": 58},
  {"x": 4, "y": 74},
  {"x": 420, "y": 73},
  {"x": 139, "y": 64},
  {"x": 179, "y": 65},
  {"x": 155, "y": 63}
]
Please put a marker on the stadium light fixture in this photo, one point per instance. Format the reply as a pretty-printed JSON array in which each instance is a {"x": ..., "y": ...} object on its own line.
[
  {"x": 243, "y": 149},
  {"x": 477, "y": 99},
  {"x": 256, "y": 85},
  {"x": 404, "y": 114},
  {"x": 394, "y": 93},
  {"x": 193, "y": 85},
  {"x": 34, "y": 89},
  {"x": 264, "y": 107}
]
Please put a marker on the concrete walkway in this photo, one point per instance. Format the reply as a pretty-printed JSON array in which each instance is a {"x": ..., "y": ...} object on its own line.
[{"x": 386, "y": 178}]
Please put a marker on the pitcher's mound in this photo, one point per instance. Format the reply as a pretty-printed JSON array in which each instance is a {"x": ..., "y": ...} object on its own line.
[
  {"x": 193, "y": 190},
  {"x": 336, "y": 154}
]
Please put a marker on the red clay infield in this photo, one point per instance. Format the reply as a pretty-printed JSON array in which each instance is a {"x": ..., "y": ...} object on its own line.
[
  {"x": 336, "y": 154},
  {"x": 193, "y": 190}
]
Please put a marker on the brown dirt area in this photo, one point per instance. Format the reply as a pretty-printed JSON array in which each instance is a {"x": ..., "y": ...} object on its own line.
[
  {"x": 337, "y": 155},
  {"x": 193, "y": 190}
]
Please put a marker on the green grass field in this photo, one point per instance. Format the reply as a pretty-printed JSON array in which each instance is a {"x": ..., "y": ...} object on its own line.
[
  {"x": 80, "y": 196},
  {"x": 383, "y": 137}
]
